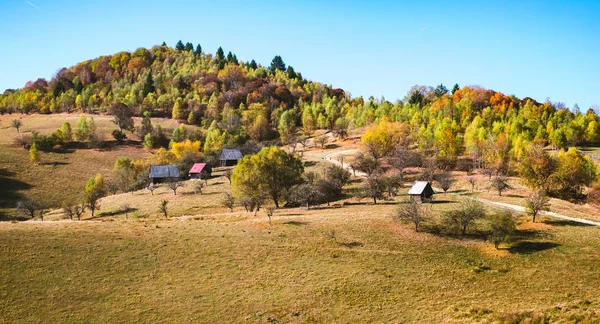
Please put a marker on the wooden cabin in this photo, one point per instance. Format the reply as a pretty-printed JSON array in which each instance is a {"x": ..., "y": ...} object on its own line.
[
  {"x": 230, "y": 157},
  {"x": 421, "y": 191},
  {"x": 197, "y": 170},
  {"x": 162, "y": 173}
]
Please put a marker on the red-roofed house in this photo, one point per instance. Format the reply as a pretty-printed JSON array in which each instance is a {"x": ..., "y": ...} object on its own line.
[{"x": 198, "y": 169}]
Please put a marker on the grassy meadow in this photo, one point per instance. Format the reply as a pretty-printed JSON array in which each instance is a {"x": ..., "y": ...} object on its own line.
[
  {"x": 348, "y": 264},
  {"x": 62, "y": 175}
]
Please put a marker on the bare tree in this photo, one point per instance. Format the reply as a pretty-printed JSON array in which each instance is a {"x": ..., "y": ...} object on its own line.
[
  {"x": 17, "y": 124},
  {"x": 198, "y": 187},
  {"x": 112, "y": 187},
  {"x": 461, "y": 218},
  {"x": 227, "y": 173},
  {"x": 163, "y": 207},
  {"x": 322, "y": 140},
  {"x": 126, "y": 208},
  {"x": 500, "y": 183},
  {"x": 72, "y": 211},
  {"x": 413, "y": 212},
  {"x": 538, "y": 201},
  {"x": 151, "y": 186},
  {"x": 228, "y": 201},
  {"x": 270, "y": 210},
  {"x": 28, "y": 207},
  {"x": 444, "y": 180},
  {"x": 472, "y": 181},
  {"x": 174, "y": 183}
]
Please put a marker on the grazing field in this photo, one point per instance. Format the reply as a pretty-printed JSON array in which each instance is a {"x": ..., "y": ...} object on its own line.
[
  {"x": 348, "y": 264},
  {"x": 61, "y": 175}
]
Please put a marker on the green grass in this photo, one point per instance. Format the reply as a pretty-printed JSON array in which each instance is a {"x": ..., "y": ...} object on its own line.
[{"x": 235, "y": 267}]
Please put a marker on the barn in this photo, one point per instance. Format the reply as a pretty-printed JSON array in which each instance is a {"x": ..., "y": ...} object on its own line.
[
  {"x": 161, "y": 173},
  {"x": 421, "y": 191},
  {"x": 197, "y": 170},
  {"x": 230, "y": 157}
]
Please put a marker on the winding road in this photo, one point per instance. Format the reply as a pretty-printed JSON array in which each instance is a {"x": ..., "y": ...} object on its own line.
[{"x": 331, "y": 158}]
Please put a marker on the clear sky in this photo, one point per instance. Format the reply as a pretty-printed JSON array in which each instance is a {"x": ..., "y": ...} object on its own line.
[{"x": 539, "y": 49}]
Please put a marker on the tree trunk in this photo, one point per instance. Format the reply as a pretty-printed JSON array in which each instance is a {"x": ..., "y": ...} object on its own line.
[
  {"x": 496, "y": 244},
  {"x": 534, "y": 214},
  {"x": 374, "y": 200},
  {"x": 307, "y": 206}
]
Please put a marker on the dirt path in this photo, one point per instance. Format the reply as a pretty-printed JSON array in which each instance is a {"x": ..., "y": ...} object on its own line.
[{"x": 331, "y": 158}]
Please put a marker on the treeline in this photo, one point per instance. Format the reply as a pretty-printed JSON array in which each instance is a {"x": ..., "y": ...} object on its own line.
[{"x": 245, "y": 100}]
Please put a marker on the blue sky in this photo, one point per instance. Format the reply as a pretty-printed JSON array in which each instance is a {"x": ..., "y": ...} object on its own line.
[{"x": 539, "y": 49}]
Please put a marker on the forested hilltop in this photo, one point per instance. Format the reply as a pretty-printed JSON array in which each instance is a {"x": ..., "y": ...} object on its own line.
[{"x": 242, "y": 101}]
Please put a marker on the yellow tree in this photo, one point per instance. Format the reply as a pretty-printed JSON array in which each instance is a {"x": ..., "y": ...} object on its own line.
[{"x": 34, "y": 155}]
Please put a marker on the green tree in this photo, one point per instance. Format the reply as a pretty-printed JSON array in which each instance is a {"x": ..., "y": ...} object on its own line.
[
  {"x": 502, "y": 228},
  {"x": 189, "y": 47},
  {"x": 198, "y": 50},
  {"x": 277, "y": 64},
  {"x": 287, "y": 126},
  {"x": 177, "y": 112},
  {"x": 122, "y": 116},
  {"x": 268, "y": 172},
  {"x": 34, "y": 155},
  {"x": 66, "y": 132},
  {"x": 179, "y": 46},
  {"x": 149, "y": 84},
  {"x": 163, "y": 208},
  {"x": 82, "y": 132},
  {"x": 574, "y": 172},
  {"x": 94, "y": 190},
  {"x": 455, "y": 88},
  {"x": 500, "y": 183}
]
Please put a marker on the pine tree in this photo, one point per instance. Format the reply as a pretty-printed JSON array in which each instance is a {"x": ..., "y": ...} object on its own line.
[
  {"x": 291, "y": 74},
  {"x": 179, "y": 46},
  {"x": 149, "y": 84},
  {"x": 253, "y": 64},
  {"x": 220, "y": 55},
  {"x": 229, "y": 57},
  {"x": 164, "y": 44},
  {"x": 277, "y": 64},
  {"x": 455, "y": 88},
  {"x": 198, "y": 50},
  {"x": 189, "y": 47}
]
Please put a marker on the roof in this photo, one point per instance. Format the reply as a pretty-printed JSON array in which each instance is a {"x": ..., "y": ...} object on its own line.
[
  {"x": 197, "y": 168},
  {"x": 231, "y": 154},
  {"x": 418, "y": 187},
  {"x": 164, "y": 171}
]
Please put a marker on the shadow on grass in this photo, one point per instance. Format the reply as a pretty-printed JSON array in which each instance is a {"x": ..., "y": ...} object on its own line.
[
  {"x": 562, "y": 222},
  {"x": 514, "y": 196},
  {"x": 351, "y": 244},
  {"x": 437, "y": 202},
  {"x": 114, "y": 213},
  {"x": 296, "y": 223},
  {"x": 10, "y": 190},
  {"x": 309, "y": 163},
  {"x": 54, "y": 163},
  {"x": 528, "y": 247},
  {"x": 331, "y": 146}
]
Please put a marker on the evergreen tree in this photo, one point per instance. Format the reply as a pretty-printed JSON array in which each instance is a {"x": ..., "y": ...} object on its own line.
[
  {"x": 229, "y": 57},
  {"x": 277, "y": 64},
  {"x": 220, "y": 55},
  {"x": 291, "y": 74},
  {"x": 164, "y": 44},
  {"x": 198, "y": 50},
  {"x": 149, "y": 84},
  {"x": 253, "y": 64},
  {"x": 440, "y": 90},
  {"x": 455, "y": 88},
  {"x": 189, "y": 46},
  {"x": 179, "y": 46}
]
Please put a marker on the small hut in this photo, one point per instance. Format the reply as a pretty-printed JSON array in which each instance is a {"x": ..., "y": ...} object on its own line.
[
  {"x": 421, "y": 191},
  {"x": 161, "y": 173},
  {"x": 230, "y": 157},
  {"x": 197, "y": 170}
]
